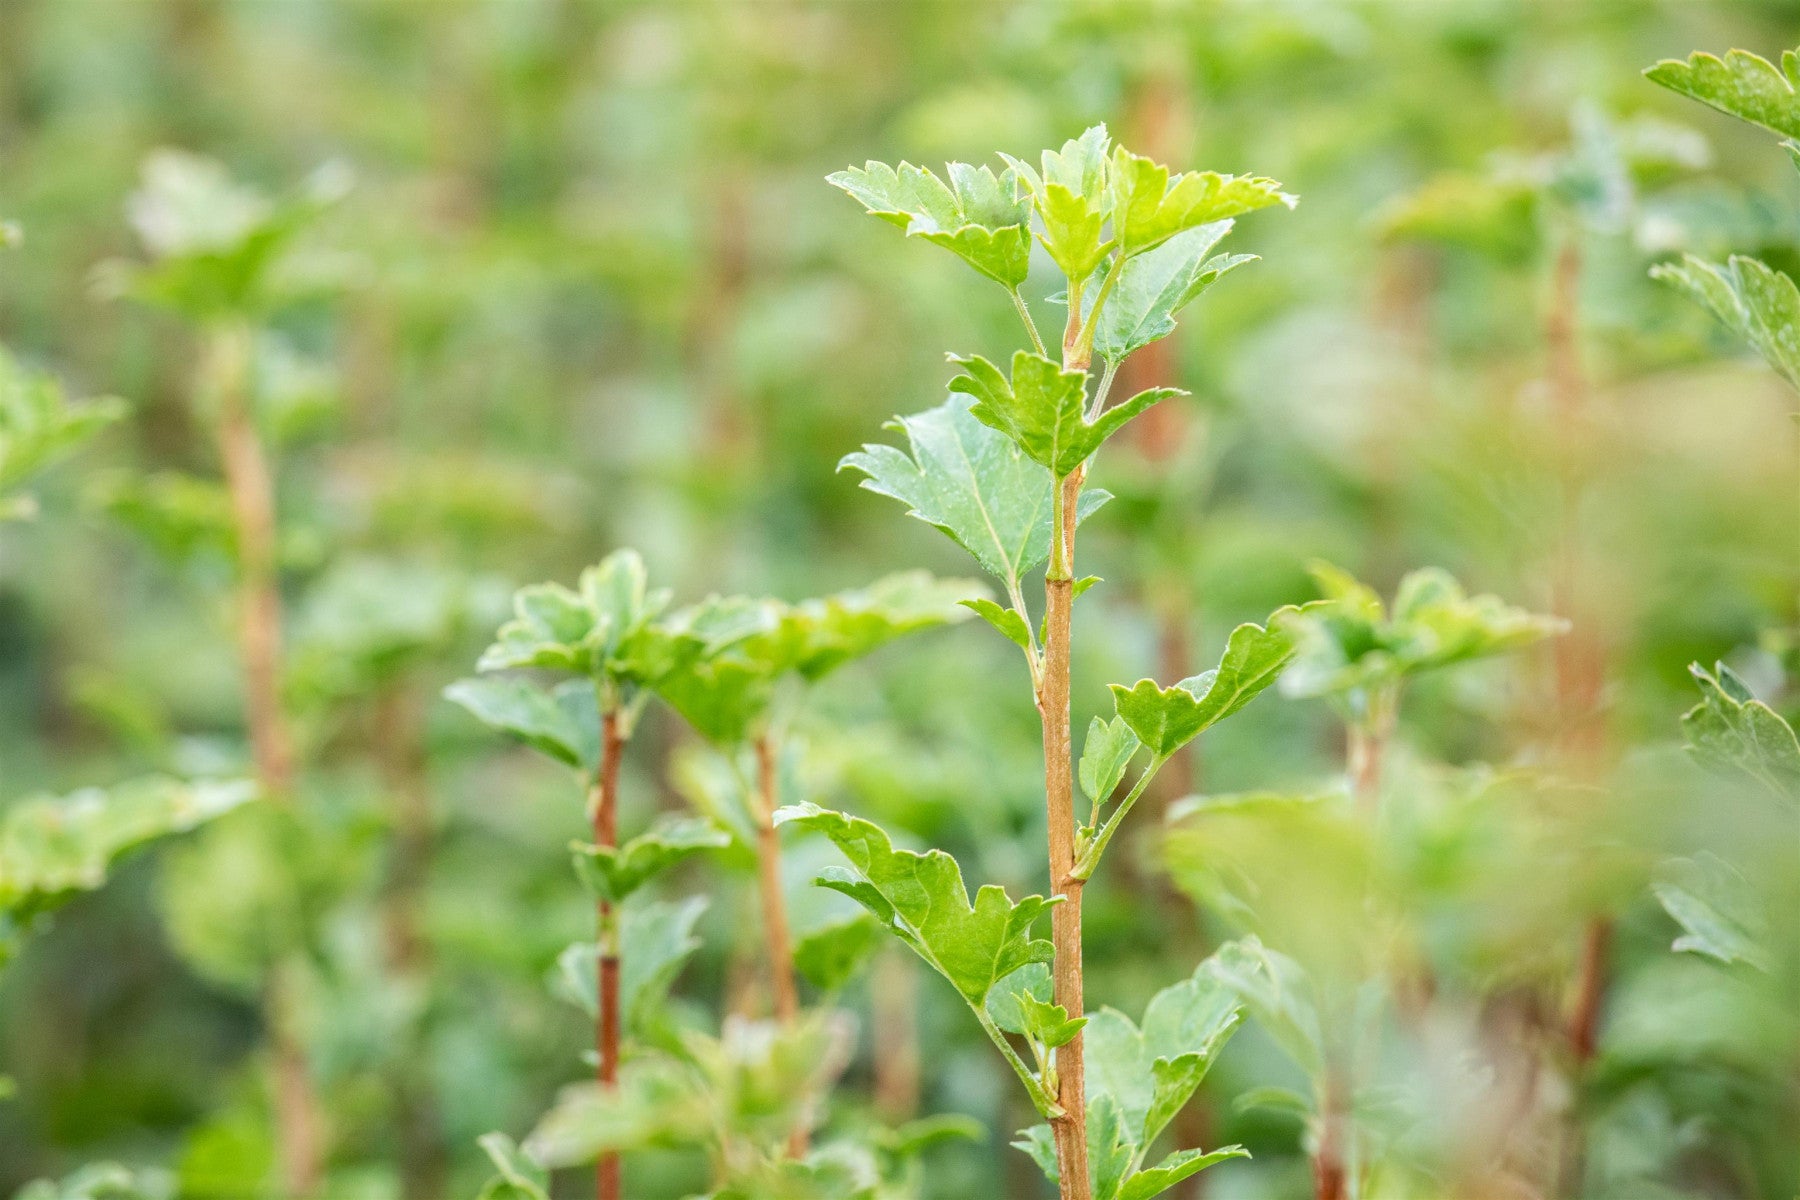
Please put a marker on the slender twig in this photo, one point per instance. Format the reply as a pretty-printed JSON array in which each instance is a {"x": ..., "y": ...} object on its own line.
[
  {"x": 608, "y": 1181},
  {"x": 226, "y": 380},
  {"x": 1090, "y": 856},
  {"x": 778, "y": 941},
  {"x": 1024, "y": 311}
]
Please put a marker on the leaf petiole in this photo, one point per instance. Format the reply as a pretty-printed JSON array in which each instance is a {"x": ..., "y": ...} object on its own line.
[
  {"x": 1090, "y": 854},
  {"x": 1024, "y": 311}
]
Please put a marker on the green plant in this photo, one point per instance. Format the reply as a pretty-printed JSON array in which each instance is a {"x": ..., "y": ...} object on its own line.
[
  {"x": 732, "y": 668},
  {"x": 1001, "y": 468}
]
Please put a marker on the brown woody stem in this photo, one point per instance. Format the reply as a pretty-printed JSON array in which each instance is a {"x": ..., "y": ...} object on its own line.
[
  {"x": 605, "y": 805},
  {"x": 774, "y": 902},
  {"x": 1070, "y": 1129}
]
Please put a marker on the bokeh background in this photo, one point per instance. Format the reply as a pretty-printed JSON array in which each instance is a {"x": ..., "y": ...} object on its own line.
[{"x": 590, "y": 290}]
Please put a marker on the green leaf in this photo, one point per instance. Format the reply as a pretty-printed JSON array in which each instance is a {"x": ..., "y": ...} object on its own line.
[
  {"x": 1719, "y": 912},
  {"x": 563, "y": 723},
  {"x": 1008, "y": 621},
  {"x": 1003, "y": 1001},
  {"x": 516, "y": 1176},
  {"x": 39, "y": 425},
  {"x": 1070, "y": 197},
  {"x": 1166, "y": 719},
  {"x": 921, "y": 899},
  {"x": 1150, "y": 207},
  {"x": 1731, "y": 732},
  {"x": 977, "y": 216},
  {"x": 1043, "y": 408},
  {"x": 52, "y": 847},
  {"x": 1276, "y": 991},
  {"x": 1347, "y": 642},
  {"x": 656, "y": 1103},
  {"x": 103, "y": 1181},
  {"x": 1153, "y": 1069},
  {"x": 820, "y": 635},
  {"x": 1048, "y": 1023},
  {"x": 656, "y": 938},
  {"x": 1182, "y": 1164},
  {"x": 1104, "y": 756},
  {"x": 585, "y": 631},
  {"x": 830, "y": 957},
  {"x": 218, "y": 248},
  {"x": 916, "y": 1136},
  {"x": 1492, "y": 214},
  {"x": 614, "y": 872},
  {"x": 1753, "y": 300},
  {"x": 971, "y": 482},
  {"x": 1157, "y": 284},
  {"x": 182, "y": 517},
  {"x": 1111, "y": 1148},
  {"x": 1743, "y": 84}
]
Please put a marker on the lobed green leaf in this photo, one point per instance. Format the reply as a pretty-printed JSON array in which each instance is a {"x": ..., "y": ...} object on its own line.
[
  {"x": 921, "y": 899},
  {"x": 977, "y": 216},
  {"x": 1750, "y": 298},
  {"x": 1105, "y": 754},
  {"x": 1043, "y": 408},
  {"x": 1743, "y": 84},
  {"x": 971, "y": 482},
  {"x": 1732, "y": 732},
  {"x": 1156, "y": 284},
  {"x": 1166, "y": 719},
  {"x": 612, "y": 873}
]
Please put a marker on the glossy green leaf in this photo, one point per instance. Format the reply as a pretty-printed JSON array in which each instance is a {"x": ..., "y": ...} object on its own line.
[
  {"x": 1007, "y": 620},
  {"x": 1150, "y": 206},
  {"x": 516, "y": 1176},
  {"x": 39, "y": 425},
  {"x": 1744, "y": 84},
  {"x": 1753, "y": 300},
  {"x": 1718, "y": 911},
  {"x": 977, "y": 216},
  {"x": 1043, "y": 408},
  {"x": 1166, "y": 719},
  {"x": 1157, "y": 284},
  {"x": 973, "y": 483},
  {"x": 921, "y": 899},
  {"x": 1104, "y": 756},
  {"x": 584, "y": 631},
  {"x": 830, "y": 957},
  {"x": 1183, "y": 1164},
  {"x": 1070, "y": 197},
  {"x": 1153, "y": 1069},
  {"x": 614, "y": 872},
  {"x": 563, "y": 722}
]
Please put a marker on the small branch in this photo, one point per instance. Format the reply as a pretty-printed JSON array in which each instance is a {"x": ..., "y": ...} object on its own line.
[
  {"x": 1085, "y": 339},
  {"x": 1070, "y": 1130},
  {"x": 1098, "y": 405},
  {"x": 779, "y": 943},
  {"x": 1043, "y": 1101},
  {"x": 608, "y": 1180},
  {"x": 1037, "y": 340},
  {"x": 1090, "y": 857},
  {"x": 1073, "y": 360}
]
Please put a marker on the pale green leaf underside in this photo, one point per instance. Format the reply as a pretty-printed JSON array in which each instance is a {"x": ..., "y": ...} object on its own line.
[
  {"x": 1718, "y": 911},
  {"x": 976, "y": 216},
  {"x": 1750, "y": 298},
  {"x": 922, "y": 900},
  {"x": 563, "y": 723},
  {"x": 971, "y": 482},
  {"x": 1156, "y": 285}
]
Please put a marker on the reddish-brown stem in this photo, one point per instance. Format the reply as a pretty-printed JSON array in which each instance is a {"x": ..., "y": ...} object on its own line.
[
  {"x": 604, "y": 809},
  {"x": 252, "y": 492},
  {"x": 1330, "y": 1178},
  {"x": 299, "y": 1118},
  {"x": 779, "y": 942},
  {"x": 1070, "y": 1129},
  {"x": 1584, "y": 1040}
]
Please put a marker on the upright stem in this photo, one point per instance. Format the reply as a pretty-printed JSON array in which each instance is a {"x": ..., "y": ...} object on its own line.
[
  {"x": 1070, "y": 1129},
  {"x": 605, "y": 811},
  {"x": 1331, "y": 1180},
  {"x": 1584, "y": 1040},
  {"x": 779, "y": 942},
  {"x": 252, "y": 492},
  {"x": 225, "y": 381}
]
